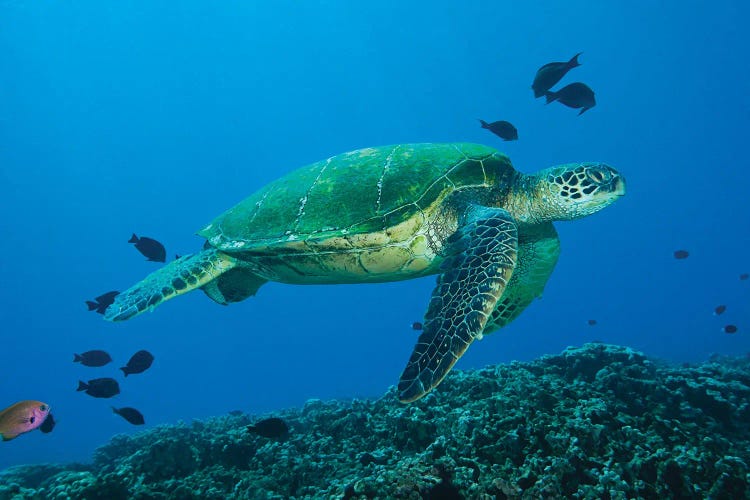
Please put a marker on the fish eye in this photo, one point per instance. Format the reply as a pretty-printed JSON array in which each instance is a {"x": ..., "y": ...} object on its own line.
[{"x": 43, "y": 407}]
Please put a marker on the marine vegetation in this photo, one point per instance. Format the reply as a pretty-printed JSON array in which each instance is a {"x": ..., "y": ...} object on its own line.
[{"x": 599, "y": 421}]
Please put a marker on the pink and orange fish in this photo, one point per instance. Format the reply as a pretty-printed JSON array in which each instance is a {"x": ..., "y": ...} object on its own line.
[{"x": 22, "y": 417}]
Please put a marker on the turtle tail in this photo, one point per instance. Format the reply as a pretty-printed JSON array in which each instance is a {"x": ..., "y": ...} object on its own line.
[{"x": 179, "y": 276}]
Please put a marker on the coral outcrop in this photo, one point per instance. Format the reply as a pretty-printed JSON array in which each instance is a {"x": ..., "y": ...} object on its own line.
[{"x": 599, "y": 421}]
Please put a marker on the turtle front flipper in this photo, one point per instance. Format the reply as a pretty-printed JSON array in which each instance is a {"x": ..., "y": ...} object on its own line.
[
  {"x": 480, "y": 262},
  {"x": 179, "y": 276}
]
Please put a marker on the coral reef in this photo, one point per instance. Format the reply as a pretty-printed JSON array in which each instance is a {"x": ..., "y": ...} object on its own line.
[{"x": 599, "y": 421}]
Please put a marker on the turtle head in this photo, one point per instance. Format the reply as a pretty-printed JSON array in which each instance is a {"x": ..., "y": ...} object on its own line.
[{"x": 575, "y": 190}]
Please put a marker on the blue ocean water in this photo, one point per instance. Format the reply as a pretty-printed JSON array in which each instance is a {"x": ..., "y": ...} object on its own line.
[{"x": 154, "y": 117}]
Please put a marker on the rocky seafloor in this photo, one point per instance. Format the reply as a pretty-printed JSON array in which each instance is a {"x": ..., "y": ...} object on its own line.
[{"x": 599, "y": 421}]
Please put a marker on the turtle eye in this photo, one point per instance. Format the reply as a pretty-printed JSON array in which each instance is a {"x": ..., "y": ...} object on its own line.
[{"x": 599, "y": 175}]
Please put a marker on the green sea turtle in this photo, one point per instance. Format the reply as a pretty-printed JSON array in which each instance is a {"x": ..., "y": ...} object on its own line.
[{"x": 393, "y": 213}]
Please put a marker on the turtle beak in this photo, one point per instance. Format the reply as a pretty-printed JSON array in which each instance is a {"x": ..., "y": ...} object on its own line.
[{"x": 619, "y": 186}]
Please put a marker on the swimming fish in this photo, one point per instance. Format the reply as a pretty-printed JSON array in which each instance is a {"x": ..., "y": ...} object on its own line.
[
  {"x": 150, "y": 248},
  {"x": 101, "y": 303},
  {"x": 720, "y": 310},
  {"x": 575, "y": 95},
  {"x": 48, "y": 424},
  {"x": 130, "y": 414},
  {"x": 445, "y": 489},
  {"x": 744, "y": 276},
  {"x": 92, "y": 358},
  {"x": 730, "y": 329},
  {"x": 551, "y": 73},
  {"x": 681, "y": 254},
  {"x": 591, "y": 322},
  {"x": 138, "y": 363},
  {"x": 502, "y": 129},
  {"x": 100, "y": 387},
  {"x": 270, "y": 427},
  {"x": 416, "y": 325},
  {"x": 22, "y": 417}
]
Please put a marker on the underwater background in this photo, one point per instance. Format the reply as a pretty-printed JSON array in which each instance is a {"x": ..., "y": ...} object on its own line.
[{"x": 154, "y": 117}]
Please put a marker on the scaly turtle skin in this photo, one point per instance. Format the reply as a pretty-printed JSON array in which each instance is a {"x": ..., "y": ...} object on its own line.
[{"x": 393, "y": 213}]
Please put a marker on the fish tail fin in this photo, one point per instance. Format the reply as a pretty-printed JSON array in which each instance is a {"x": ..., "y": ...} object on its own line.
[
  {"x": 125, "y": 370},
  {"x": 115, "y": 410},
  {"x": 133, "y": 239},
  {"x": 550, "y": 96},
  {"x": 574, "y": 61},
  {"x": 82, "y": 386},
  {"x": 583, "y": 110},
  {"x": 252, "y": 428},
  {"x": 484, "y": 123},
  {"x": 77, "y": 358},
  {"x": 176, "y": 278},
  {"x": 91, "y": 305}
]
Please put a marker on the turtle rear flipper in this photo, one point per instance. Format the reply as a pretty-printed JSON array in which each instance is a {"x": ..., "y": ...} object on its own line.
[
  {"x": 235, "y": 285},
  {"x": 481, "y": 261},
  {"x": 179, "y": 276}
]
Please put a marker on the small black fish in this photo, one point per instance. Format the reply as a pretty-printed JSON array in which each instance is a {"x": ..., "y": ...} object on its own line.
[
  {"x": 575, "y": 95},
  {"x": 150, "y": 248},
  {"x": 730, "y": 329},
  {"x": 549, "y": 74},
  {"x": 101, "y": 303},
  {"x": 502, "y": 129},
  {"x": 444, "y": 490},
  {"x": 416, "y": 325},
  {"x": 591, "y": 322},
  {"x": 138, "y": 363},
  {"x": 48, "y": 424},
  {"x": 130, "y": 414},
  {"x": 681, "y": 254},
  {"x": 100, "y": 387},
  {"x": 236, "y": 413},
  {"x": 744, "y": 276},
  {"x": 270, "y": 427},
  {"x": 177, "y": 256},
  {"x": 92, "y": 358},
  {"x": 720, "y": 310}
]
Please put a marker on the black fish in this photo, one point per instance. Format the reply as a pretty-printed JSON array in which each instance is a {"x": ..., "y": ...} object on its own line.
[
  {"x": 48, "y": 424},
  {"x": 236, "y": 413},
  {"x": 444, "y": 490},
  {"x": 270, "y": 427},
  {"x": 549, "y": 74},
  {"x": 138, "y": 363},
  {"x": 150, "y": 248},
  {"x": 92, "y": 358},
  {"x": 575, "y": 95},
  {"x": 744, "y": 276},
  {"x": 130, "y": 414},
  {"x": 591, "y": 322},
  {"x": 681, "y": 254},
  {"x": 100, "y": 387},
  {"x": 720, "y": 310},
  {"x": 101, "y": 303},
  {"x": 502, "y": 129},
  {"x": 416, "y": 325},
  {"x": 730, "y": 329}
]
